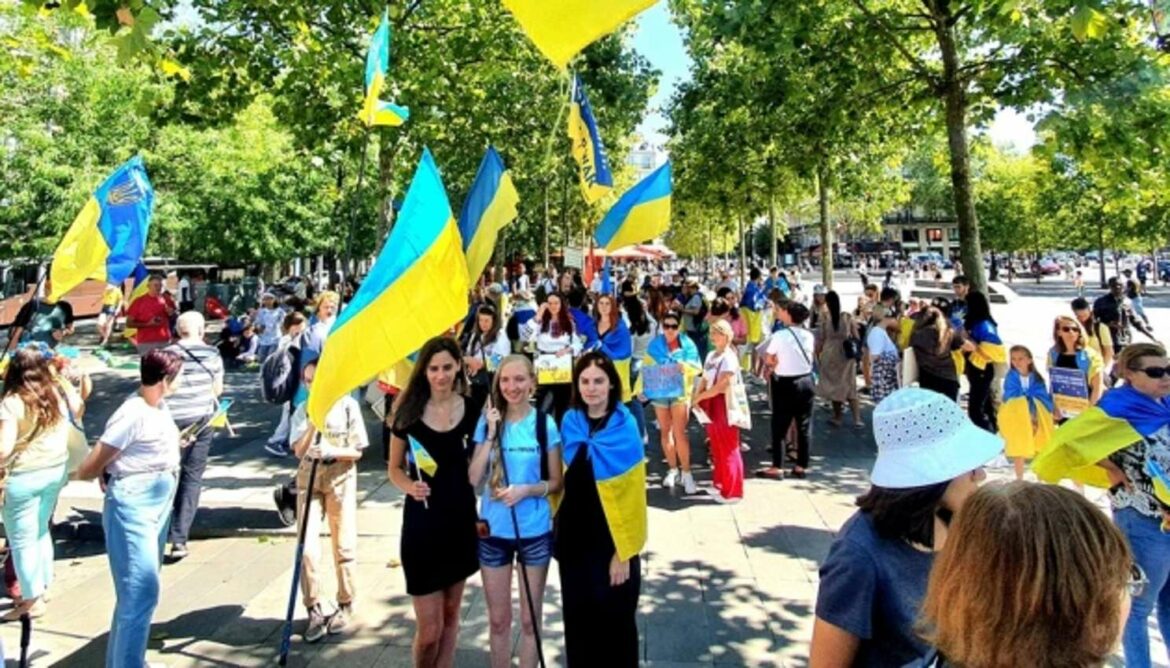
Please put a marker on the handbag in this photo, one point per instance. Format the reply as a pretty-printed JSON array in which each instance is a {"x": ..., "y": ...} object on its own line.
[
  {"x": 739, "y": 411},
  {"x": 851, "y": 346},
  {"x": 78, "y": 447}
]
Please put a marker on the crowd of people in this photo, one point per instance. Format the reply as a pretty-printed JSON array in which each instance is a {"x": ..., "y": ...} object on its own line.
[{"x": 521, "y": 436}]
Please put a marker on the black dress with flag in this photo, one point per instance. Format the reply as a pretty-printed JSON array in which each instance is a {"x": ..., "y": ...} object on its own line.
[{"x": 439, "y": 540}]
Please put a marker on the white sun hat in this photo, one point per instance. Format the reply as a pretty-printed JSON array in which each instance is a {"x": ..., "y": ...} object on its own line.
[{"x": 924, "y": 438}]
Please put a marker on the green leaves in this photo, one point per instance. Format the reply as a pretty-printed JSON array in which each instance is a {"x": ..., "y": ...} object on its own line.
[{"x": 1088, "y": 22}]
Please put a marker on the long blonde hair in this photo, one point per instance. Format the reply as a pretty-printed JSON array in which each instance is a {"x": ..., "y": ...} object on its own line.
[{"x": 496, "y": 479}]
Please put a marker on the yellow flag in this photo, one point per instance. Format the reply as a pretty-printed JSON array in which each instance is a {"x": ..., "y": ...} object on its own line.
[
  {"x": 562, "y": 28},
  {"x": 422, "y": 458}
]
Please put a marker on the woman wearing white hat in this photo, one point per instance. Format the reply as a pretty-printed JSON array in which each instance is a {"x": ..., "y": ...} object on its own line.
[{"x": 930, "y": 459}]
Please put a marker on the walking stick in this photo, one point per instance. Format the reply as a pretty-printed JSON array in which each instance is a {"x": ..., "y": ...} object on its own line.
[
  {"x": 286, "y": 639},
  {"x": 520, "y": 557},
  {"x": 25, "y": 636}
]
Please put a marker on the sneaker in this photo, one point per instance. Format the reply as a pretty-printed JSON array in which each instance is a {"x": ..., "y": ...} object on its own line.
[
  {"x": 276, "y": 449},
  {"x": 671, "y": 478},
  {"x": 688, "y": 482},
  {"x": 286, "y": 511},
  {"x": 318, "y": 625},
  {"x": 744, "y": 447},
  {"x": 179, "y": 551},
  {"x": 340, "y": 619}
]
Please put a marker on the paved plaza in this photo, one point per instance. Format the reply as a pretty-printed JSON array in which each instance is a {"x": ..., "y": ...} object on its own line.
[{"x": 726, "y": 585}]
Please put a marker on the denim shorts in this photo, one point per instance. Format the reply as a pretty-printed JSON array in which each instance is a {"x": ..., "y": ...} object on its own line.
[
  {"x": 668, "y": 403},
  {"x": 499, "y": 552}
]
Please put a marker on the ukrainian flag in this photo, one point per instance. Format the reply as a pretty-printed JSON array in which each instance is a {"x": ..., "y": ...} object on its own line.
[
  {"x": 615, "y": 453},
  {"x": 1123, "y": 417},
  {"x": 642, "y": 213},
  {"x": 989, "y": 348},
  {"x": 417, "y": 288},
  {"x": 138, "y": 289},
  {"x": 1021, "y": 408},
  {"x": 421, "y": 458},
  {"x": 490, "y": 206},
  {"x": 752, "y": 306},
  {"x": 561, "y": 29},
  {"x": 374, "y": 110},
  {"x": 618, "y": 346},
  {"x": 108, "y": 238},
  {"x": 588, "y": 151}
]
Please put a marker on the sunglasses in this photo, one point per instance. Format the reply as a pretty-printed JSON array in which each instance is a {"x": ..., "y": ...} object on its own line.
[
  {"x": 1155, "y": 372},
  {"x": 667, "y": 325},
  {"x": 1068, "y": 330},
  {"x": 1137, "y": 581}
]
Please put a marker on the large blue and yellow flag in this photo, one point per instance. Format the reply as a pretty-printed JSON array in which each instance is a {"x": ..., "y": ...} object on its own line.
[
  {"x": 615, "y": 453},
  {"x": 642, "y": 213},
  {"x": 376, "y": 111},
  {"x": 137, "y": 289},
  {"x": 588, "y": 151},
  {"x": 416, "y": 289},
  {"x": 1123, "y": 417},
  {"x": 561, "y": 29},
  {"x": 107, "y": 239},
  {"x": 989, "y": 348},
  {"x": 1025, "y": 415},
  {"x": 490, "y": 206}
]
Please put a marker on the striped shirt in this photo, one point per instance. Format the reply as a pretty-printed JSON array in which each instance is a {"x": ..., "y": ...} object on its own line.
[{"x": 194, "y": 397}]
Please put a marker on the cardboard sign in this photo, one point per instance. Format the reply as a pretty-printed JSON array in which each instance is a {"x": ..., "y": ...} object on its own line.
[
  {"x": 554, "y": 369},
  {"x": 1070, "y": 392},
  {"x": 574, "y": 257},
  {"x": 662, "y": 382}
]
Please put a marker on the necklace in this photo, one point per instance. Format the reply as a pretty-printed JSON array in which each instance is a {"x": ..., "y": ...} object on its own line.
[{"x": 448, "y": 416}]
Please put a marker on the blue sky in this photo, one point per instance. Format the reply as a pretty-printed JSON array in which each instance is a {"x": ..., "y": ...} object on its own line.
[{"x": 660, "y": 41}]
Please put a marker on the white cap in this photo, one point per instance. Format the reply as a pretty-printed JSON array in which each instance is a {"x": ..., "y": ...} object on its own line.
[{"x": 924, "y": 438}]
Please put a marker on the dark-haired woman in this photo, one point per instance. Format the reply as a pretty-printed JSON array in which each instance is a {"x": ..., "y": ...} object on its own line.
[
  {"x": 483, "y": 348},
  {"x": 838, "y": 371},
  {"x": 984, "y": 349},
  {"x": 643, "y": 329},
  {"x": 554, "y": 334},
  {"x": 138, "y": 458},
  {"x": 935, "y": 344},
  {"x": 789, "y": 352},
  {"x": 432, "y": 425},
  {"x": 599, "y": 537},
  {"x": 35, "y": 414},
  {"x": 930, "y": 460}
]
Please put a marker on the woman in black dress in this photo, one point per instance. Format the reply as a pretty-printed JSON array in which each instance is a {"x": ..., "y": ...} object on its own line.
[{"x": 432, "y": 425}]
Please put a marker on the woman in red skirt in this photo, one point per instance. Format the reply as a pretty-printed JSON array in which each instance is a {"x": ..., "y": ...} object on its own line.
[{"x": 719, "y": 372}]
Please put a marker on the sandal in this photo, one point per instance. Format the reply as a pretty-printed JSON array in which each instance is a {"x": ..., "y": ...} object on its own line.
[
  {"x": 771, "y": 473},
  {"x": 798, "y": 473}
]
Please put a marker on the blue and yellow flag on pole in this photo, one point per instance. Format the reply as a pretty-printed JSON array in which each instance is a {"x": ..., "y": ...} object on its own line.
[
  {"x": 588, "y": 151},
  {"x": 421, "y": 458},
  {"x": 561, "y": 29},
  {"x": 489, "y": 206},
  {"x": 416, "y": 289},
  {"x": 642, "y": 213},
  {"x": 107, "y": 239},
  {"x": 376, "y": 111}
]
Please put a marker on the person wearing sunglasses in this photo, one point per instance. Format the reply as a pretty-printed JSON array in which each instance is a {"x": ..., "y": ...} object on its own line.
[
  {"x": 1119, "y": 444},
  {"x": 1030, "y": 577},
  {"x": 673, "y": 360},
  {"x": 1070, "y": 350}
]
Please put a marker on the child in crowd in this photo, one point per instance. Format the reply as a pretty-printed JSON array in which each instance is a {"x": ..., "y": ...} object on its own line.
[
  {"x": 1025, "y": 416},
  {"x": 336, "y": 450}
]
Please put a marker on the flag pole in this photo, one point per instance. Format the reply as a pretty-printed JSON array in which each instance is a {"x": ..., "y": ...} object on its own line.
[{"x": 353, "y": 203}]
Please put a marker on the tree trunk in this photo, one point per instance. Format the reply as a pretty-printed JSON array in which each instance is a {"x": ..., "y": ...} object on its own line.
[
  {"x": 742, "y": 256},
  {"x": 387, "y": 151},
  {"x": 954, "y": 94},
  {"x": 772, "y": 227},
  {"x": 546, "y": 225},
  {"x": 1101, "y": 247},
  {"x": 826, "y": 228}
]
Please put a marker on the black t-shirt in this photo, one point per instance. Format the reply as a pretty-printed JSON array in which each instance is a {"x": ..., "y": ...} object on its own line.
[{"x": 581, "y": 529}]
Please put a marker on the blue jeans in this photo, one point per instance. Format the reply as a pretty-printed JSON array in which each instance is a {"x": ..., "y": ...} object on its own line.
[
  {"x": 1151, "y": 551},
  {"x": 29, "y": 500},
  {"x": 135, "y": 517}
]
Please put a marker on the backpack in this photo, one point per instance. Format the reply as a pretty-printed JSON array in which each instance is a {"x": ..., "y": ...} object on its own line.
[
  {"x": 278, "y": 374},
  {"x": 1106, "y": 309}
]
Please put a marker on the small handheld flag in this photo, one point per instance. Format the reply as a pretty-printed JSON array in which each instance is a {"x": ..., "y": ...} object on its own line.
[
  {"x": 596, "y": 179},
  {"x": 490, "y": 206},
  {"x": 422, "y": 459},
  {"x": 376, "y": 111},
  {"x": 642, "y": 213},
  {"x": 561, "y": 29},
  {"x": 107, "y": 239}
]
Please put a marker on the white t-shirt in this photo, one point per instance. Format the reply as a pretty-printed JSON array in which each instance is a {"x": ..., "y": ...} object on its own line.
[
  {"x": 522, "y": 283},
  {"x": 270, "y": 320},
  {"x": 719, "y": 364},
  {"x": 184, "y": 289},
  {"x": 344, "y": 426},
  {"x": 145, "y": 436},
  {"x": 879, "y": 342},
  {"x": 793, "y": 348}
]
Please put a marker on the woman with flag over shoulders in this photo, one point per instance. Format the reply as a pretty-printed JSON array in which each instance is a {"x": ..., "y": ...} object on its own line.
[
  {"x": 614, "y": 339},
  {"x": 670, "y": 352},
  {"x": 432, "y": 424},
  {"x": 601, "y": 523},
  {"x": 1123, "y": 444}
]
